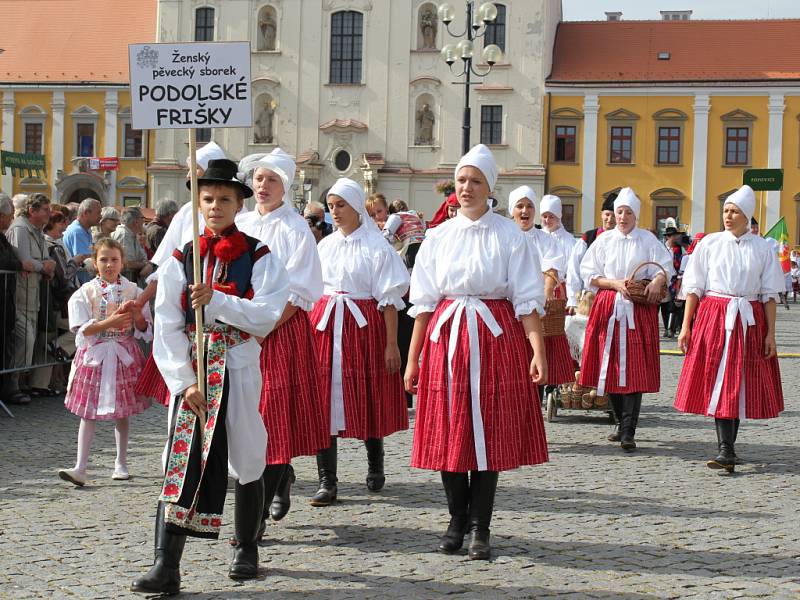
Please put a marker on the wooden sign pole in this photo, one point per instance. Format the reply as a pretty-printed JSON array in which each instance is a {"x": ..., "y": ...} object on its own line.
[{"x": 198, "y": 274}]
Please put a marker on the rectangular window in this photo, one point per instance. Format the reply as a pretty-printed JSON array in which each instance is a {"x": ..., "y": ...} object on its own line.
[
  {"x": 491, "y": 124},
  {"x": 33, "y": 138},
  {"x": 346, "y": 41},
  {"x": 496, "y": 30},
  {"x": 202, "y": 136},
  {"x": 204, "y": 25},
  {"x": 131, "y": 201},
  {"x": 85, "y": 142},
  {"x": 663, "y": 213},
  {"x": 621, "y": 145},
  {"x": 133, "y": 142},
  {"x": 568, "y": 217},
  {"x": 736, "y": 141},
  {"x": 565, "y": 143},
  {"x": 669, "y": 145}
]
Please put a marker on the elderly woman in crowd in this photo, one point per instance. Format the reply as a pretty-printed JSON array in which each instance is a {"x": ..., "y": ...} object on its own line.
[
  {"x": 155, "y": 230},
  {"x": 127, "y": 234},
  {"x": 109, "y": 219}
]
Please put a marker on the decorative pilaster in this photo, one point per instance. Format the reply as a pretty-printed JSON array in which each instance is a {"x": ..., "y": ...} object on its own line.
[
  {"x": 591, "y": 108},
  {"x": 775, "y": 156},
  {"x": 702, "y": 106},
  {"x": 8, "y": 137},
  {"x": 57, "y": 142},
  {"x": 110, "y": 137}
]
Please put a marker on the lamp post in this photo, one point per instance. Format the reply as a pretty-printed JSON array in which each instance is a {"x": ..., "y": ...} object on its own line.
[{"x": 478, "y": 20}]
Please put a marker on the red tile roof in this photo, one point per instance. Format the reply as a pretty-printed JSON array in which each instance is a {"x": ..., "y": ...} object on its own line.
[
  {"x": 71, "y": 41},
  {"x": 713, "y": 51}
]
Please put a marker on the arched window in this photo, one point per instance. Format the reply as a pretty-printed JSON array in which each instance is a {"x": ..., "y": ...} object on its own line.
[
  {"x": 267, "y": 29},
  {"x": 346, "y": 41},
  {"x": 204, "y": 24},
  {"x": 496, "y": 30}
]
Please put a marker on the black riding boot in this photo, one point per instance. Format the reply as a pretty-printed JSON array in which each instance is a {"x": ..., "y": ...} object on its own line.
[
  {"x": 273, "y": 475},
  {"x": 375, "y": 475},
  {"x": 456, "y": 488},
  {"x": 282, "y": 500},
  {"x": 726, "y": 434},
  {"x": 248, "y": 512},
  {"x": 326, "y": 467},
  {"x": 616, "y": 406},
  {"x": 164, "y": 577},
  {"x": 627, "y": 430},
  {"x": 482, "y": 487},
  {"x": 736, "y": 458}
]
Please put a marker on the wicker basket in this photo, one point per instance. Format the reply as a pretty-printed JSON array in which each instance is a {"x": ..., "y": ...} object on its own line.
[
  {"x": 555, "y": 314},
  {"x": 636, "y": 287}
]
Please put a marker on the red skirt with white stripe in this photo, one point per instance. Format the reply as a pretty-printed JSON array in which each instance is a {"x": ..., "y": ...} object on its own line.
[
  {"x": 374, "y": 402},
  {"x": 294, "y": 415},
  {"x": 151, "y": 384},
  {"x": 512, "y": 418},
  {"x": 560, "y": 365},
  {"x": 762, "y": 377},
  {"x": 643, "y": 372}
]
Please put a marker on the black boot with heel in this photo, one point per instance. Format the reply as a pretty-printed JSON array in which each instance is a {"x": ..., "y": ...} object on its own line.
[
  {"x": 326, "y": 467},
  {"x": 164, "y": 577},
  {"x": 726, "y": 435},
  {"x": 456, "y": 488},
  {"x": 375, "y": 475},
  {"x": 248, "y": 514},
  {"x": 282, "y": 500},
  {"x": 482, "y": 488}
]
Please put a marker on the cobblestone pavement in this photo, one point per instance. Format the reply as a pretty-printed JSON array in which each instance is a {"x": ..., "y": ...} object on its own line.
[{"x": 593, "y": 523}]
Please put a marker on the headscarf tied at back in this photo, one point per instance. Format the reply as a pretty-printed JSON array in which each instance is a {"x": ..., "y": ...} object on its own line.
[
  {"x": 481, "y": 158},
  {"x": 352, "y": 193},
  {"x": 277, "y": 161},
  {"x": 744, "y": 199},
  {"x": 517, "y": 194}
]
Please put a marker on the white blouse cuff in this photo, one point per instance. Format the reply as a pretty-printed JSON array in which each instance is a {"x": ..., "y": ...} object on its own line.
[
  {"x": 770, "y": 296},
  {"x": 152, "y": 277},
  {"x": 587, "y": 283},
  {"x": 81, "y": 340},
  {"x": 146, "y": 335},
  {"x": 699, "y": 292},
  {"x": 300, "y": 302},
  {"x": 417, "y": 309},
  {"x": 525, "y": 308},
  {"x": 396, "y": 301}
]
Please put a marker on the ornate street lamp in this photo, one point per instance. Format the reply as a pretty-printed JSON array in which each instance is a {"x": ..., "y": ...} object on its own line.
[{"x": 478, "y": 21}]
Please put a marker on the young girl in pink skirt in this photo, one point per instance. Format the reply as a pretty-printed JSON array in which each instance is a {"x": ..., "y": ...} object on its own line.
[
  {"x": 107, "y": 322},
  {"x": 731, "y": 283},
  {"x": 477, "y": 294}
]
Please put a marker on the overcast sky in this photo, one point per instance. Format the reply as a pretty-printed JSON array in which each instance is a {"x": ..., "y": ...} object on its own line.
[{"x": 593, "y": 10}]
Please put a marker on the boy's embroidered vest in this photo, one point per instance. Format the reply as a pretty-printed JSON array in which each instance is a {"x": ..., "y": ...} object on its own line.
[{"x": 231, "y": 278}]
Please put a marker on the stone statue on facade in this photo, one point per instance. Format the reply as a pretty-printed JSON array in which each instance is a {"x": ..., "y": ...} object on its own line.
[
  {"x": 269, "y": 31},
  {"x": 428, "y": 25},
  {"x": 263, "y": 133},
  {"x": 425, "y": 121}
]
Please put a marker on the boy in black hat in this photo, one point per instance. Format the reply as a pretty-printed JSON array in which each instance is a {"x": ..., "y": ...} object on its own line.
[{"x": 243, "y": 292}]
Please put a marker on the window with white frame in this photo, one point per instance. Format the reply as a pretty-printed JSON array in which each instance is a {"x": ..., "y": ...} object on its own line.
[{"x": 33, "y": 119}]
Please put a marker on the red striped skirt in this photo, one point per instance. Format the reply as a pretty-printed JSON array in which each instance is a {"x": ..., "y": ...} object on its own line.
[
  {"x": 762, "y": 377},
  {"x": 295, "y": 417},
  {"x": 560, "y": 365},
  {"x": 374, "y": 403},
  {"x": 643, "y": 361},
  {"x": 151, "y": 384},
  {"x": 512, "y": 418}
]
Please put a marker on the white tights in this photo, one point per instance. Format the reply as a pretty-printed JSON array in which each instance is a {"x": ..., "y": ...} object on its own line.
[{"x": 86, "y": 435}]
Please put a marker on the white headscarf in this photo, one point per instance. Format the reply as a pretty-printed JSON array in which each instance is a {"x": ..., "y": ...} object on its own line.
[
  {"x": 523, "y": 191},
  {"x": 278, "y": 162},
  {"x": 352, "y": 193},
  {"x": 744, "y": 199},
  {"x": 551, "y": 204},
  {"x": 628, "y": 198},
  {"x": 481, "y": 158},
  {"x": 211, "y": 151}
]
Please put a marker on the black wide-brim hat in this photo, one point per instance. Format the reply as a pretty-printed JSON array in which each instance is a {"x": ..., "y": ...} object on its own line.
[
  {"x": 223, "y": 170},
  {"x": 671, "y": 231}
]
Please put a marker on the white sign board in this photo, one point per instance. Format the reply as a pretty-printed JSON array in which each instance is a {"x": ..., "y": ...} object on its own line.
[{"x": 191, "y": 85}]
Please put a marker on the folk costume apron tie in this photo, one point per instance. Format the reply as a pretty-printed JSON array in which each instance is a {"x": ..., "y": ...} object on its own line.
[
  {"x": 339, "y": 300},
  {"x": 183, "y": 504},
  {"x": 474, "y": 308},
  {"x": 105, "y": 354},
  {"x": 737, "y": 306},
  {"x": 622, "y": 314}
]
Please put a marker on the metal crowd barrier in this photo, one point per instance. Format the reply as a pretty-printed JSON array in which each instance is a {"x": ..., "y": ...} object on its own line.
[{"x": 24, "y": 332}]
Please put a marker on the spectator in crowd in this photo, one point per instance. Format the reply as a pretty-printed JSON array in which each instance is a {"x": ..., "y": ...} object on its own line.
[
  {"x": 78, "y": 235},
  {"x": 73, "y": 211},
  {"x": 378, "y": 209},
  {"x": 672, "y": 238},
  {"x": 10, "y": 264},
  {"x": 314, "y": 214},
  {"x": 65, "y": 282},
  {"x": 109, "y": 219},
  {"x": 754, "y": 226},
  {"x": 155, "y": 230},
  {"x": 127, "y": 234},
  {"x": 25, "y": 235}
]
